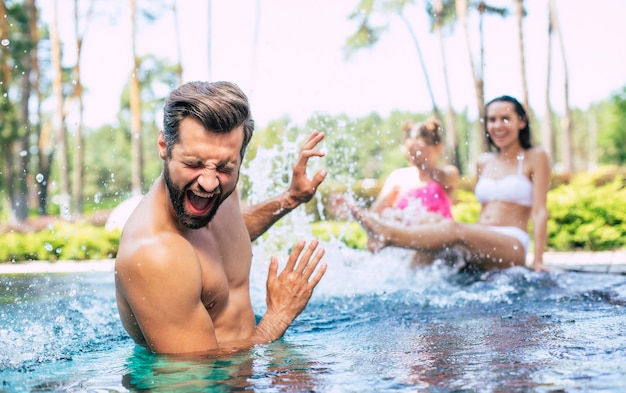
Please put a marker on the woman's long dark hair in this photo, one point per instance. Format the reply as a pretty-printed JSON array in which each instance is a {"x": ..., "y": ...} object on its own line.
[{"x": 524, "y": 133}]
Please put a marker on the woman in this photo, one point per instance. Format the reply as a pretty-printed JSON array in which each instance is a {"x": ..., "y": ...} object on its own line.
[
  {"x": 410, "y": 194},
  {"x": 512, "y": 187}
]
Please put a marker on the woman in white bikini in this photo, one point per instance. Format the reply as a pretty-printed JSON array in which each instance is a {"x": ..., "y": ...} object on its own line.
[{"x": 513, "y": 182}]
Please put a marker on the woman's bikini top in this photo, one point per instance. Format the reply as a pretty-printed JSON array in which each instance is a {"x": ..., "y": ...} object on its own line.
[
  {"x": 513, "y": 188},
  {"x": 433, "y": 198}
]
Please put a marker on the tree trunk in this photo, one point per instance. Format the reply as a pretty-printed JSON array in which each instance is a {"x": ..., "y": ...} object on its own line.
[
  {"x": 566, "y": 125},
  {"x": 79, "y": 157},
  {"x": 461, "y": 11},
  {"x": 5, "y": 117},
  {"x": 480, "y": 81},
  {"x": 546, "y": 129},
  {"x": 179, "y": 56},
  {"x": 135, "y": 111},
  {"x": 57, "y": 87},
  {"x": 209, "y": 41},
  {"x": 435, "y": 109},
  {"x": 452, "y": 147},
  {"x": 23, "y": 152},
  {"x": 44, "y": 153},
  {"x": 519, "y": 10}
]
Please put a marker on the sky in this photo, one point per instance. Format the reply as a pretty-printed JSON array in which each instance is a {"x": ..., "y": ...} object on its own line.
[{"x": 299, "y": 67}]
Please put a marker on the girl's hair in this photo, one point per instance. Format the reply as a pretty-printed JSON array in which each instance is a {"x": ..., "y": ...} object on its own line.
[
  {"x": 524, "y": 133},
  {"x": 431, "y": 131}
]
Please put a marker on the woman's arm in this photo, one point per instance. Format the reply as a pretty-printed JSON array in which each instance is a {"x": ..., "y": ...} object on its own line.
[
  {"x": 446, "y": 175},
  {"x": 540, "y": 177}
]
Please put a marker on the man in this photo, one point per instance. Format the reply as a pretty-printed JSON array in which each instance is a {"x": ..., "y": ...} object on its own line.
[{"x": 183, "y": 265}]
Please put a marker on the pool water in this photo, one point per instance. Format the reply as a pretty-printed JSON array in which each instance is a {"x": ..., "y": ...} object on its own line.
[{"x": 372, "y": 325}]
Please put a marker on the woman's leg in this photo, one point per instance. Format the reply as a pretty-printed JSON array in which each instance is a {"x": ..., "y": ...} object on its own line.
[{"x": 489, "y": 249}]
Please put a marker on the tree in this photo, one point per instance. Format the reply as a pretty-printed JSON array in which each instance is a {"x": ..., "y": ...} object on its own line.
[
  {"x": 150, "y": 12},
  {"x": 546, "y": 126},
  {"x": 156, "y": 75},
  {"x": 60, "y": 115},
  {"x": 179, "y": 56},
  {"x": 520, "y": 13},
  {"x": 135, "y": 108},
  {"x": 79, "y": 152},
  {"x": 612, "y": 137},
  {"x": 567, "y": 118},
  {"x": 462, "y": 8},
  {"x": 16, "y": 46},
  {"x": 441, "y": 14},
  {"x": 7, "y": 110},
  {"x": 367, "y": 35}
]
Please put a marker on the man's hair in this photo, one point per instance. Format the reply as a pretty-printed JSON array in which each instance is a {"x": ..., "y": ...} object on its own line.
[
  {"x": 218, "y": 106},
  {"x": 524, "y": 133},
  {"x": 430, "y": 130}
]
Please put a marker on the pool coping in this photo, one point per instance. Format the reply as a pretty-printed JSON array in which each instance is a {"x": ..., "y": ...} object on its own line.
[{"x": 612, "y": 262}]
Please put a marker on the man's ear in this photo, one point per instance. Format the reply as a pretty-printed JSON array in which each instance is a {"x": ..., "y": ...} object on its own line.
[{"x": 161, "y": 146}]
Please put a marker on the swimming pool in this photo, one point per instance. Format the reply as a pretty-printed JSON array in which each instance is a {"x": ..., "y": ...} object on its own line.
[{"x": 372, "y": 325}]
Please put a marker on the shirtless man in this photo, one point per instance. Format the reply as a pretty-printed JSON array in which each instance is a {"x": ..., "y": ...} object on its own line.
[{"x": 183, "y": 266}]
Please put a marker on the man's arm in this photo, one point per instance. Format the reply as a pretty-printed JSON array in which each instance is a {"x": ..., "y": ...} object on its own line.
[
  {"x": 260, "y": 217},
  {"x": 164, "y": 292}
]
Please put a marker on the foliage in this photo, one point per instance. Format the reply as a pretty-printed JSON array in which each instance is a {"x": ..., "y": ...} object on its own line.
[
  {"x": 612, "y": 137},
  {"x": 586, "y": 213},
  {"x": 350, "y": 233},
  {"x": 60, "y": 241},
  {"x": 466, "y": 207},
  {"x": 589, "y": 213}
]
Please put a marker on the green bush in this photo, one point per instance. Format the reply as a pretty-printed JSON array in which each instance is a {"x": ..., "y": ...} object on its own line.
[
  {"x": 349, "y": 232},
  {"x": 60, "y": 241},
  {"x": 589, "y": 213}
]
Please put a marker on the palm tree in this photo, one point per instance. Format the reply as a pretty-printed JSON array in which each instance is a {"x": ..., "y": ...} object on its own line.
[
  {"x": 135, "y": 109},
  {"x": 439, "y": 11},
  {"x": 61, "y": 140},
  {"x": 566, "y": 122},
  {"x": 483, "y": 8},
  {"x": 179, "y": 56},
  {"x": 367, "y": 36},
  {"x": 6, "y": 108},
  {"x": 209, "y": 39},
  {"x": 546, "y": 127},
  {"x": 79, "y": 154},
  {"x": 520, "y": 13},
  {"x": 45, "y": 150}
]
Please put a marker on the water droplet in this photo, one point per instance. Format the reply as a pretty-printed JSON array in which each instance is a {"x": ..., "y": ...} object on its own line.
[
  {"x": 23, "y": 153},
  {"x": 5, "y": 42},
  {"x": 48, "y": 246},
  {"x": 39, "y": 177},
  {"x": 515, "y": 247}
]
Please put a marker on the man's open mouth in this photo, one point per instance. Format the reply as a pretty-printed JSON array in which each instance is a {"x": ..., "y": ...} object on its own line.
[{"x": 199, "y": 205}]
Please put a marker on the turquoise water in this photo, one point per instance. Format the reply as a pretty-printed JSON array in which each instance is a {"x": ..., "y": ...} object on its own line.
[{"x": 371, "y": 326}]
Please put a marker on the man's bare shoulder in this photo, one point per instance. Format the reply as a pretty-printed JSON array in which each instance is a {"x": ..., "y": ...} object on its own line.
[{"x": 155, "y": 252}]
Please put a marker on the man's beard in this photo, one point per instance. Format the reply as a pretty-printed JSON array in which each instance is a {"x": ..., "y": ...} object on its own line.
[{"x": 177, "y": 196}]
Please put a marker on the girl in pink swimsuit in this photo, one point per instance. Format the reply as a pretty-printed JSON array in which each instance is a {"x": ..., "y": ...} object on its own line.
[
  {"x": 412, "y": 195},
  {"x": 513, "y": 183},
  {"x": 422, "y": 192}
]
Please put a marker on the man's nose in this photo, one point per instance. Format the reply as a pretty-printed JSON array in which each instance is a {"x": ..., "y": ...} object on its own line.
[{"x": 208, "y": 180}]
